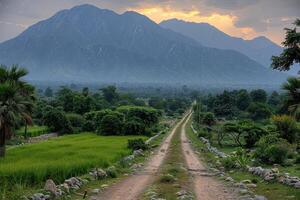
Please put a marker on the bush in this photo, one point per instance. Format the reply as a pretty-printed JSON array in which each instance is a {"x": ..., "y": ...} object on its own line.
[
  {"x": 137, "y": 144},
  {"x": 167, "y": 178},
  {"x": 134, "y": 127},
  {"x": 297, "y": 161},
  {"x": 272, "y": 150},
  {"x": 287, "y": 127},
  {"x": 56, "y": 120},
  {"x": 76, "y": 120},
  {"x": 110, "y": 125},
  {"x": 229, "y": 163},
  {"x": 111, "y": 172}
]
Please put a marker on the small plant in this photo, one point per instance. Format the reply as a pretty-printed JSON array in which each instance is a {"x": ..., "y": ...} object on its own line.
[
  {"x": 137, "y": 144},
  {"x": 167, "y": 178},
  {"x": 242, "y": 159},
  {"x": 111, "y": 172},
  {"x": 228, "y": 163}
]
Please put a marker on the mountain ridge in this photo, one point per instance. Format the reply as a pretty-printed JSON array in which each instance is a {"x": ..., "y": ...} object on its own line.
[{"x": 88, "y": 43}]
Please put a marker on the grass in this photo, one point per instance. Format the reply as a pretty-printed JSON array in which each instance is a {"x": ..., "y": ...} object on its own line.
[
  {"x": 33, "y": 131},
  {"x": 271, "y": 190},
  {"x": 60, "y": 158}
]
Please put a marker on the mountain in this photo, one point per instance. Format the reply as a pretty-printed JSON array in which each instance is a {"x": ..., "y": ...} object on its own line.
[
  {"x": 86, "y": 43},
  {"x": 259, "y": 49}
]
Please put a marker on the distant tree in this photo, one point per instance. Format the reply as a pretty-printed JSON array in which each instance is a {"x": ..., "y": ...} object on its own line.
[
  {"x": 48, "y": 92},
  {"x": 259, "y": 111},
  {"x": 224, "y": 105},
  {"x": 110, "y": 94},
  {"x": 16, "y": 101},
  {"x": 274, "y": 99},
  {"x": 291, "y": 53},
  {"x": 85, "y": 91},
  {"x": 156, "y": 102},
  {"x": 292, "y": 101},
  {"x": 243, "y": 100},
  {"x": 259, "y": 96},
  {"x": 65, "y": 98}
]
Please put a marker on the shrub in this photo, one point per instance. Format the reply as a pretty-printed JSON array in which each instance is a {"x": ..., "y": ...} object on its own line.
[
  {"x": 111, "y": 172},
  {"x": 76, "y": 120},
  {"x": 167, "y": 178},
  {"x": 137, "y": 144},
  {"x": 253, "y": 133},
  {"x": 297, "y": 161},
  {"x": 228, "y": 163},
  {"x": 271, "y": 149},
  {"x": 110, "y": 125},
  {"x": 241, "y": 158},
  {"x": 287, "y": 127},
  {"x": 56, "y": 120},
  {"x": 134, "y": 127}
]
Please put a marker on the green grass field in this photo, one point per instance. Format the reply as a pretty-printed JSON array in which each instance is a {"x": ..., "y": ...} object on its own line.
[
  {"x": 61, "y": 158},
  {"x": 33, "y": 131}
]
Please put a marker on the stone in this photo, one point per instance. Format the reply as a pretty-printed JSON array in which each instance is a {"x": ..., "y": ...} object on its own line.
[
  {"x": 104, "y": 186},
  {"x": 246, "y": 181},
  {"x": 50, "y": 186},
  {"x": 275, "y": 170},
  {"x": 38, "y": 196},
  {"x": 243, "y": 191},
  {"x": 251, "y": 185},
  {"x": 229, "y": 179},
  {"x": 268, "y": 178},
  {"x": 96, "y": 191},
  {"x": 259, "y": 197},
  {"x": 240, "y": 185},
  {"x": 181, "y": 193},
  {"x": 297, "y": 185}
]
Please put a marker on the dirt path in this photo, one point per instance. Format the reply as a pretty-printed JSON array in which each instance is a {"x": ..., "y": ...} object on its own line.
[
  {"x": 205, "y": 186},
  {"x": 131, "y": 187}
]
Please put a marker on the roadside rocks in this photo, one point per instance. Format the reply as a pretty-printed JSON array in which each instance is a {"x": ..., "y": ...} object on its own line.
[
  {"x": 98, "y": 174},
  {"x": 53, "y": 191},
  {"x": 274, "y": 175},
  {"x": 210, "y": 148}
]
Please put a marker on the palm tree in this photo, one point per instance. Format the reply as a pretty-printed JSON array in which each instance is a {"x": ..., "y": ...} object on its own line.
[
  {"x": 16, "y": 101},
  {"x": 292, "y": 88}
]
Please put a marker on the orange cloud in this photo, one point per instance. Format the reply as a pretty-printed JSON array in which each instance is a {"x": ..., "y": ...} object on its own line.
[{"x": 224, "y": 22}]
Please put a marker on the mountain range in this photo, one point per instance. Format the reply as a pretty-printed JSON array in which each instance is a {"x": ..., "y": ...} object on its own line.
[
  {"x": 260, "y": 49},
  {"x": 90, "y": 44}
]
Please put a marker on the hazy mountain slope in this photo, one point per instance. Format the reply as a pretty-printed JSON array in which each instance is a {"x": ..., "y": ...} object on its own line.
[
  {"x": 259, "y": 49},
  {"x": 86, "y": 43}
]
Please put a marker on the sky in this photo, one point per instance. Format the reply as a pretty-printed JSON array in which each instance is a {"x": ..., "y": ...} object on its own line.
[{"x": 241, "y": 18}]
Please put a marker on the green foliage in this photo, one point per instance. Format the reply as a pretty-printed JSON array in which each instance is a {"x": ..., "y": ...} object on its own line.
[
  {"x": 111, "y": 172},
  {"x": 33, "y": 131},
  {"x": 259, "y": 111},
  {"x": 77, "y": 121},
  {"x": 259, "y": 96},
  {"x": 291, "y": 53},
  {"x": 48, "y": 92},
  {"x": 243, "y": 100},
  {"x": 110, "y": 125},
  {"x": 287, "y": 127},
  {"x": 56, "y": 120},
  {"x": 110, "y": 94},
  {"x": 292, "y": 88},
  {"x": 229, "y": 163},
  {"x": 242, "y": 158},
  {"x": 137, "y": 144},
  {"x": 134, "y": 126},
  {"x": 272, "y": 149}
]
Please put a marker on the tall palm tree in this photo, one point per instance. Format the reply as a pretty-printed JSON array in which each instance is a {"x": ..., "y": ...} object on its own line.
[
  {"x": 16, "y": 101},
  {"x": 292, "y": 88}
]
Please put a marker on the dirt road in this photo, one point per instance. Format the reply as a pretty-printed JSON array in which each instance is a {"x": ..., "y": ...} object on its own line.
[
  {"x": 205, "y": 186},
  {"x": 131, "y": 187}
]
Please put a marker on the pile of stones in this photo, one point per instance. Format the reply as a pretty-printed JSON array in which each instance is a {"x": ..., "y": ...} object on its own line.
[
  {"x": 53, "y": 191},
  {"x": 274, "y": 175},
  {"x": 212, "y": 149}
]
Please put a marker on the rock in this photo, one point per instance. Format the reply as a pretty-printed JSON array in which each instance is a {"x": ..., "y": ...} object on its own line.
[
  {"x": 243, "y": 191},
  {"x": 38, "y": 196},
  {"x": 247, "y": 181},
  {"x": 251, "y": 185},
  {"x": 138, "y": 152},
  {"x": 104, "y": 186},
  {"x": 275, "y": 170},
  {"x": 269, "y": 178},
  {"x": 297, "y": 185},
  {"x": 240, "y": 185},
  {"x": 95, "y": 191},
  {"x": 229, "y": 179},
  {"x": 50, "y": 186},
  {"x": 259, "y": 197},
  {"x": 181, "y": 193}
]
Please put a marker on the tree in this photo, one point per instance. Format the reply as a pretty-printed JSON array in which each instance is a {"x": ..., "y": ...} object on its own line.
[
  {"x": 243, "y": 100},
  {"x": 287, "y": 127},
  {"x": 291, "y": 53},
  {"x": 259, "y": 111},
  {"x": 274, "y": 99},
  {"x": 292, "y": 101},
  {"x": 110, "y": 94},
  {"x": 16, "y": 101},
  {"x": 48, "y": 92},
  {"x": 111, "y": 125},
  {"x": 259, "y": 96},
  {"x": 56, "y": 120}
]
